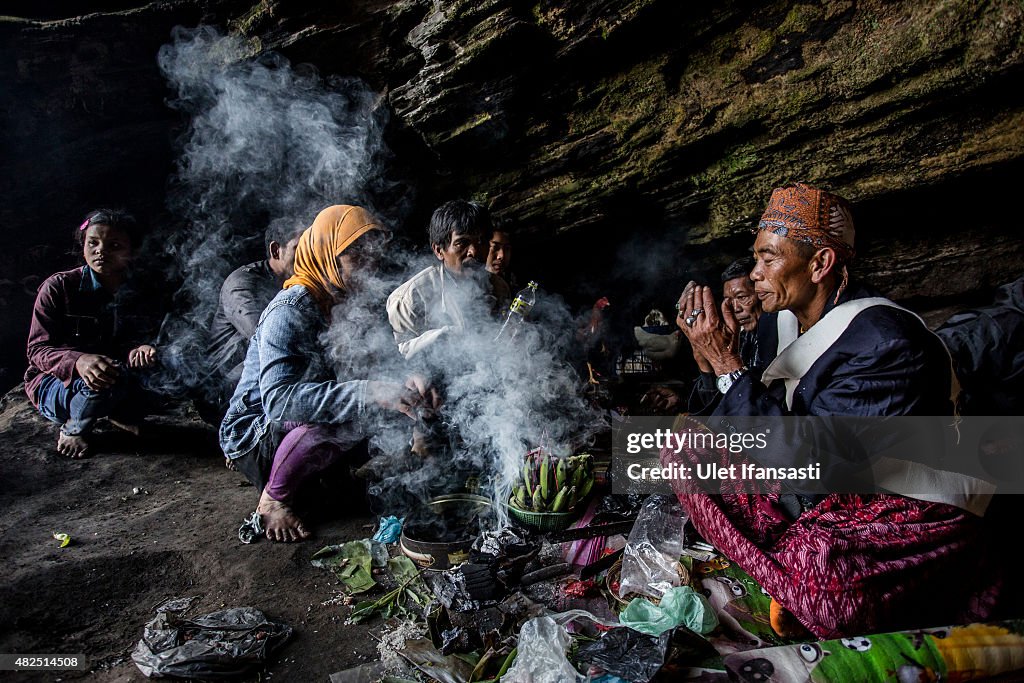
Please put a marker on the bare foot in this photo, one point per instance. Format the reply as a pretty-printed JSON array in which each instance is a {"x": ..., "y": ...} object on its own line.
[
  {"x": 72, "y": 446},
  {"x": 130, "y": 427},
  {"x": 280, "y": 522}
]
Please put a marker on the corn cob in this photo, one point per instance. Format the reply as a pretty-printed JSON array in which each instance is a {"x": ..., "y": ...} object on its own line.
[
  {"x": 538, "y": 501},
  {"x": 522, "y": 502},
  {"x": 560, "y": 473},
  {"x": 558, "y": 505},
  {"x": 527, "y": 476},
  {"x": 588, "y": 483},
  {"x": 578, "y": 473},
  {"x": 545, "y": 485}
]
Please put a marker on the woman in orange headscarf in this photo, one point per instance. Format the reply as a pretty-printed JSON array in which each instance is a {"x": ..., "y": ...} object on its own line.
[{"x": 290, "y": 417}]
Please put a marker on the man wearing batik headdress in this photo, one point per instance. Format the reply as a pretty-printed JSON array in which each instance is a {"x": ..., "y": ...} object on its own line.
[{"x": 840, "y": 564}]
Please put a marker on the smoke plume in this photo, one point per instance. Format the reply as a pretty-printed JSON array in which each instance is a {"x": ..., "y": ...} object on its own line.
[{"x": 264, "y": 141}]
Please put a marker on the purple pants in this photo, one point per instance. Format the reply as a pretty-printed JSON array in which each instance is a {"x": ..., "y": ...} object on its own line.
[{"x": 305, "y": 451}]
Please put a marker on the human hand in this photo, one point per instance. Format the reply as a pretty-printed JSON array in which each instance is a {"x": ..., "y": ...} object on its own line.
[
  {"x": 661, "y": 399},
  {"x": 415, "y": 398},
  {"x": 142, "y": 357},
  {"x": 421, "y": 398},
  {"x": 98, "y": 372},
  {"x": 715, "y": 336},
  {"x": 682, "y": 308}
]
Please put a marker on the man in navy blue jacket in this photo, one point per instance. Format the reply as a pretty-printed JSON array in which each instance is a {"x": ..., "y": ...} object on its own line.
[{"x": 839, "y": 563}]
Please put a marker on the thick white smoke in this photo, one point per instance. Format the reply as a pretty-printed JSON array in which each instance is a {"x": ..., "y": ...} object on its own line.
[
  {"x": 500, "y": 398},
  {"x": 264, "y": 141}
]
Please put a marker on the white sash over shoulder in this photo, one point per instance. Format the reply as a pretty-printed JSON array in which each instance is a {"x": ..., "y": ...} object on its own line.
[{"x": 797, "y": 353}]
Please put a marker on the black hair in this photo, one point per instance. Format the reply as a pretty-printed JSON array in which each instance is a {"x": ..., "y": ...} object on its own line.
[
  {"x": 116, "y": 219},
  {"x": 739, "y": 268},
  {"x": 282, "y": 231},
  {"x": 459, "y": 216},
  {"x": 505, "y": 226}
]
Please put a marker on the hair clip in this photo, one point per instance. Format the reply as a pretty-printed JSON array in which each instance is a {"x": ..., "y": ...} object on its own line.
[{"x": 84, "y": 225}]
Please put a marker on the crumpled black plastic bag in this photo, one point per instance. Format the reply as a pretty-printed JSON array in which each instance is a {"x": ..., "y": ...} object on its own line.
[
  {"x": 218, "y": 645},
  {"x": 638, "y": 657}
]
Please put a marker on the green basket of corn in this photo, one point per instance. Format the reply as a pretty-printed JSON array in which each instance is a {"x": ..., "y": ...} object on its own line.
[{"x": 549, "y": 492}]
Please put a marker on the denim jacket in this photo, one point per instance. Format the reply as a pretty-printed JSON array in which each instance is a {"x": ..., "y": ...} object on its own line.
[{"x": 285, "y": 378}]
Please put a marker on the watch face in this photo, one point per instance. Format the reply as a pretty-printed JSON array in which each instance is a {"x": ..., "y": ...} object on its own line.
[{"x": 724, "y": 382}]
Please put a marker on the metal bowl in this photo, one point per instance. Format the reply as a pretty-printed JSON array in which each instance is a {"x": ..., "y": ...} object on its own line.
[{"x": 441, "y": 555}]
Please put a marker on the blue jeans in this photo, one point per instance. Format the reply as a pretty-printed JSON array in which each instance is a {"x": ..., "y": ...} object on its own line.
[{"x": 77, "y": 407}]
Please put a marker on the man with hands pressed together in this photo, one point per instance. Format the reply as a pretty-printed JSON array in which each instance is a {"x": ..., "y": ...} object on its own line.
[{"x": 837, "y": 563}]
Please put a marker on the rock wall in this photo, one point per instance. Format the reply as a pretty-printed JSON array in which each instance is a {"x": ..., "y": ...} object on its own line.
[
  {"x": 636, "y": 140},
  {"x": 593, "y": 120}
]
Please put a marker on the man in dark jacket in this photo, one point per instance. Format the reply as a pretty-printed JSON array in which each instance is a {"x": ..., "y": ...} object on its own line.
[{"x": 842, "y": 563}]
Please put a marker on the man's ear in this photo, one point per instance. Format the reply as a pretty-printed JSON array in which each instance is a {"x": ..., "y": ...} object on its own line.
[
  {"x": 274, "y": 250},
  {"x": 438, "y": 251},
  {"x": 822, "y": 264}
]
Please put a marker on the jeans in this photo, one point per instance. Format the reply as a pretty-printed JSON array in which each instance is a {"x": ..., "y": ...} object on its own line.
[{"x": 77, "y": 407}]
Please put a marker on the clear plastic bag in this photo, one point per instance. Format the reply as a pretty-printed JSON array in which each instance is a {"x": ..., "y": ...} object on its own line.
[
  {"x": 543, "y": 642},
  {"x": 650, "y": 562}
]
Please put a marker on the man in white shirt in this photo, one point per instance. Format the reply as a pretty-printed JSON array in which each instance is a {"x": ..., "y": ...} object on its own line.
[{"x": 454, "y": 294}]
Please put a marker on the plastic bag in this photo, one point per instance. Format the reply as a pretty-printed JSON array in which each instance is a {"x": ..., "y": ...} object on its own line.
[
  {"x": 650, "y": 563},
  {"x": 222, "y": 644},
  {"x": 681, "y": 605},
  {"x": 543, "y": 642},
  {"x": 638, "y": 657},
  {"x": 390, "y": 530}
]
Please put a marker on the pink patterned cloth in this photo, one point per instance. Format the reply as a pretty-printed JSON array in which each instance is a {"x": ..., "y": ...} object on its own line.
[{"x": 854, "y": 564}]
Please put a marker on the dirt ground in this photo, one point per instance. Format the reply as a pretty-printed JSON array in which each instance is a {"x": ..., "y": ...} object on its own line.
[{"x": 176, "y": 537}]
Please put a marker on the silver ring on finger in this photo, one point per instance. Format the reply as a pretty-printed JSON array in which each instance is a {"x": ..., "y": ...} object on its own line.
[
  {"x": 690, "y": 321},
  {"x": 695, "y": 312}
]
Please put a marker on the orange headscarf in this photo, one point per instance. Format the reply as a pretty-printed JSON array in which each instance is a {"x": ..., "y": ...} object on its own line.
[{"x": 316, "y": 256}]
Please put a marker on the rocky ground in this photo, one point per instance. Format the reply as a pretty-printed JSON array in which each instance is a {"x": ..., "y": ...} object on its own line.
[{"x": 177, "y": 536}]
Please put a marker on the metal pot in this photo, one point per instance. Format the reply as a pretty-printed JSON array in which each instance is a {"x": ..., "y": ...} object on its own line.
[{"x": 438, "y": 555}]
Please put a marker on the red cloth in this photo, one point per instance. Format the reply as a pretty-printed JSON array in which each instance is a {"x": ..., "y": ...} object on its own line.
[{"x": 855, "y": 564}]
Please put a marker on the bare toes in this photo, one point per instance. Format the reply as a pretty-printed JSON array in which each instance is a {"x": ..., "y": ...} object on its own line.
[{"x": 72, "y": 446}]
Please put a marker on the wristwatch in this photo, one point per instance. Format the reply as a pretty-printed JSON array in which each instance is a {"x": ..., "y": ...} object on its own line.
[{"x": 724, "y": 382}]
